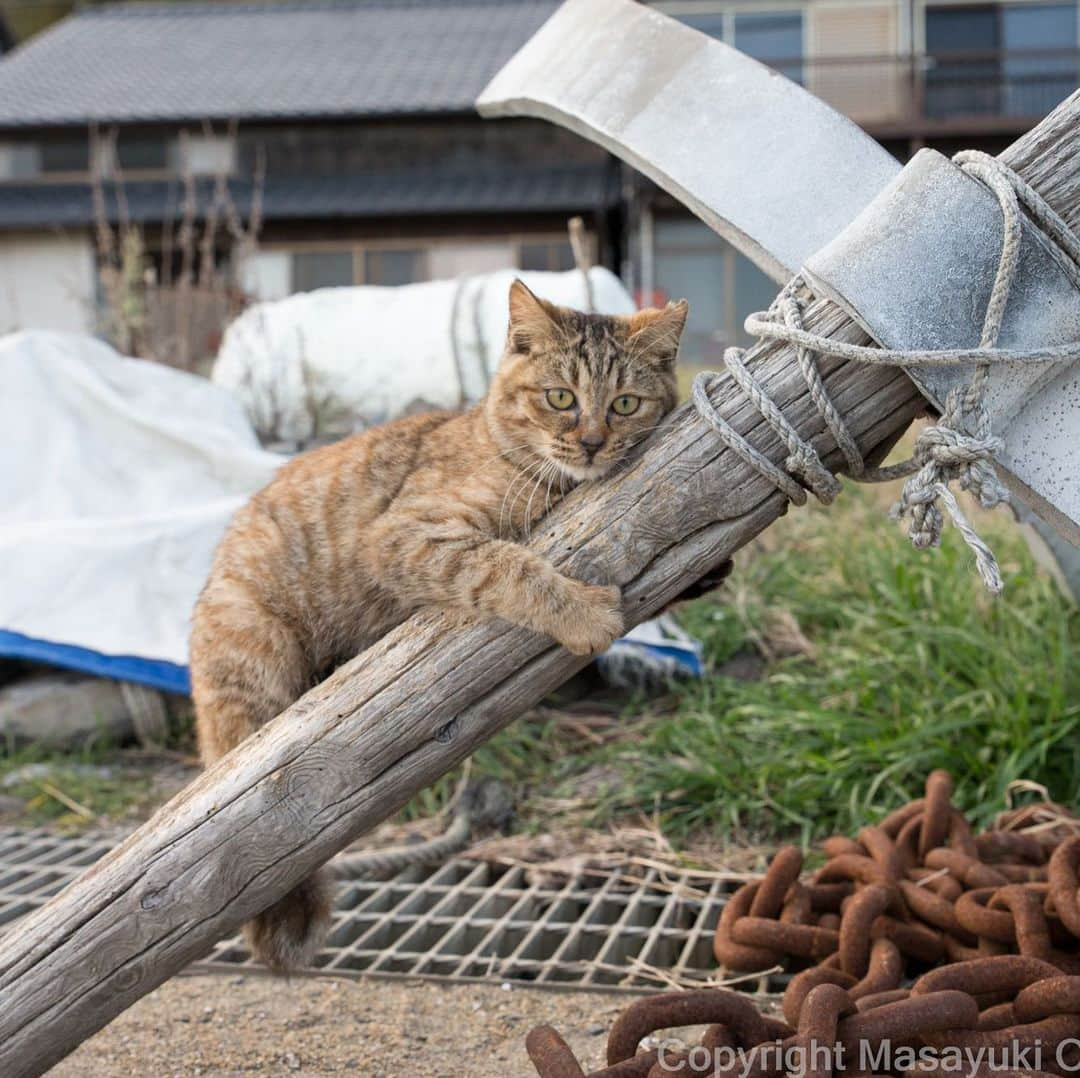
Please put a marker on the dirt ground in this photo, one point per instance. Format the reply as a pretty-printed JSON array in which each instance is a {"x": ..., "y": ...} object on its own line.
[{"x": 240, "y": 1024}]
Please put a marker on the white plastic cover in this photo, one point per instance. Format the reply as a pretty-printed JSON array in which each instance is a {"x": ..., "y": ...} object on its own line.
[
  {"x": 320, "y": 365},
  {"x": 118, "y": 478}
]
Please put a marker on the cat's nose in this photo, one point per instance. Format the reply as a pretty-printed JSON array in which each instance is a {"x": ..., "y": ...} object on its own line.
[{"x": 591, "y": 442}]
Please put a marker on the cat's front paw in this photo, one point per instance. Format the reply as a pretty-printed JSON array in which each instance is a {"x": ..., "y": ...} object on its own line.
[{"x": 589, "y": 624}]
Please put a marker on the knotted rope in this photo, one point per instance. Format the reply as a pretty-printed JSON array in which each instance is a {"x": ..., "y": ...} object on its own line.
[{"x": 960, "y": 447}]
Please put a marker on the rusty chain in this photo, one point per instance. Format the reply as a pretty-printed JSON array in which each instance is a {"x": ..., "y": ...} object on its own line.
[{"x": 916, "y": 933}]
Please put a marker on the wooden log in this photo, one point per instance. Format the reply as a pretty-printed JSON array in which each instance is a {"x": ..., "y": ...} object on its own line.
[{"x": 353, "y": 750}]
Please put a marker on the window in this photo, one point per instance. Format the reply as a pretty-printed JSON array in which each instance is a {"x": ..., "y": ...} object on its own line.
[
  {"x": 958, "y": 84},
  {"x": 458, "y": 258},
  {"x": 142, "y": 154},
  {"x": 1040, "y": 63},
  {"x": 1012, "y": 59},
  {"x": 773, "y": 37},
  {"x": 692, "y": 262},
  {"x": 19, "y": 160},
  {"x": 713, "y": 23},
  {"x": 208, "y": 155},
  {"x": 554, "y": 255},
  {"x": 395, "y": 266},
  {"x": 65, "y": 155},
  {"x": 321, "y": 269}
]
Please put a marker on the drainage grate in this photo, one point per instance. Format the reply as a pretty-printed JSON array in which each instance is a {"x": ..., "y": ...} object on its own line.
[
  {"x": 35, "y": 865},
  {"x": 464, "y": 921}
]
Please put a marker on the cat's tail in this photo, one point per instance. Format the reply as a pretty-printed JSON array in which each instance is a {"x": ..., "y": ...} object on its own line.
[{"x": 287, "y": 935}]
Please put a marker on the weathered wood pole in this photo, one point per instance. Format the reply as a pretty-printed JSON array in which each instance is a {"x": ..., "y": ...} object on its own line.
[{"x": 357, "y": 747}]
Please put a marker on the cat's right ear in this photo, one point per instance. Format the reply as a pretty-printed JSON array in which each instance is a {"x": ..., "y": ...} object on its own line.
[{"x": 532, "y": 319}]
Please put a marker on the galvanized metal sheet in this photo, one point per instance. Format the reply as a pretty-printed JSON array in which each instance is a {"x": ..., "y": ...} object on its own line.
[
  {"x": 780, "y": 174},
  {"x": 761, "y": 161},
  {"x": 916, "y": 269}
]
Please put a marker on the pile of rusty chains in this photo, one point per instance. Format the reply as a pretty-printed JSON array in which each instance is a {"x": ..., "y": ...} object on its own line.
[{"x": 988, "y": 924}]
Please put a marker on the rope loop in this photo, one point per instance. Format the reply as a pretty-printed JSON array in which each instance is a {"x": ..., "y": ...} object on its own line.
[{"x": 959, "y": 449}]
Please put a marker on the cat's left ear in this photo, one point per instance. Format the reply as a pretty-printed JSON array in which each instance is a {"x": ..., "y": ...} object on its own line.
[
  {"x": 532, "y": 319},
  {"x": 655, "y": 332}
]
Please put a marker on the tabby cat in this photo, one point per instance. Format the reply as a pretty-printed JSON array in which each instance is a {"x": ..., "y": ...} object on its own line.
[{"x": 348, "y": 540}]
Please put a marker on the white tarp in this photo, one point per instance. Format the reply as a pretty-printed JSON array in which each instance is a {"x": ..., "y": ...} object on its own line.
[
  {"x": 324, "y": 364},
  {"x": 118, "y": 477}
]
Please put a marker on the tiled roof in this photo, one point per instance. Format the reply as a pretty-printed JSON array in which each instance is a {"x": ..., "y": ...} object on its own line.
[
  {"x": 522, "y": 190},
  {"x": 175, "y": 62}
]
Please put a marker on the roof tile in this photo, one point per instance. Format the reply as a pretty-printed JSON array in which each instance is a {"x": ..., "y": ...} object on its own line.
[{"x": 175, "y": 62}]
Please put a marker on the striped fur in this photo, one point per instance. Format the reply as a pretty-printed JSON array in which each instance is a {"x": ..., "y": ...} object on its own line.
[{"x": 348, "y": 540}]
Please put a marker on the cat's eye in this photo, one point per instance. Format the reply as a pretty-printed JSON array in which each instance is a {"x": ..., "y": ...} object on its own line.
[
  {"x": 560, "y": 399},
  {"x": 627, "y": 404}
]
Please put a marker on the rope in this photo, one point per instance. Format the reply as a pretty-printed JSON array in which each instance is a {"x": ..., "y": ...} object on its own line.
[
  {"x": 486, "y": 803},
  {"x": 960, "y": 447},
  {"x": 379, "y": 864}
]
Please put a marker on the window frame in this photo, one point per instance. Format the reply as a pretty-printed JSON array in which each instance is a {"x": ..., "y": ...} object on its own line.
[
  {"x": 360, "y": 247},
  {"x": 922, "y": 6},
  {"x": 44, "y": 175},
  {"x": 729, "y": 331},
  {"x": 728, "y": 9},
  {"x": 996, "y": 58}
]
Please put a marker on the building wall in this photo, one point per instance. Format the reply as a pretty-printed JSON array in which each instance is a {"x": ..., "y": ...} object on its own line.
[
  {"x": 912, "y": 72},
  {"x": 46, "y": 282}
]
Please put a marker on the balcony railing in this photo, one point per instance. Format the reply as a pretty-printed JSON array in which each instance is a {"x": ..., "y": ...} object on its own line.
[{"x": 943, "y": 92}]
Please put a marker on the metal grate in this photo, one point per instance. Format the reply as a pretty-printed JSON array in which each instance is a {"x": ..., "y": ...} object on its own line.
[
  {"x": 35, "y": 865},
  {"x": 463, "y": 921}
]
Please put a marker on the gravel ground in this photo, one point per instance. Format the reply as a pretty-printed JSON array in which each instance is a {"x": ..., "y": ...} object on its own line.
[{"x": 230, "y": 1024}]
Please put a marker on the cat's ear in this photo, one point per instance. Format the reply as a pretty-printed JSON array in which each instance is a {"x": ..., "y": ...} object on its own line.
[
  {"x": 532, "y": 319},
  {"x": 655, "y": 333}
]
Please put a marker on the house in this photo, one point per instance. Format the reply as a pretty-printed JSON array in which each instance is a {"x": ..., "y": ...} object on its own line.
[
  {"x": 359, "y": 115},
  {"x": 378, "y": 170},
  {"x": 949, "y": 74}
]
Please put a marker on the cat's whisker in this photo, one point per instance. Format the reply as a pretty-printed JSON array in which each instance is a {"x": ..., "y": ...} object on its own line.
[
  {"x": 504, "y": 453},
  {"x": 638, "y": 437},
  {"x": 536, "y": 479},
  {"x": 506, "y": 494},
  {"x": 544, "y": 473},
  {"x": 523, "y": 476},
  {"x": 556, "y": 473},
  {"x": 528, "y": 505}
]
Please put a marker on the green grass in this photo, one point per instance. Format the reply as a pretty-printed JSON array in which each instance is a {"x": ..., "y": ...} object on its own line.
[
  {"x": 908, "y": 665},
  {"x": 71, "y": 791},
  {"x": 883, "y": 662},
  {"x": 93, "y": 784}
]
